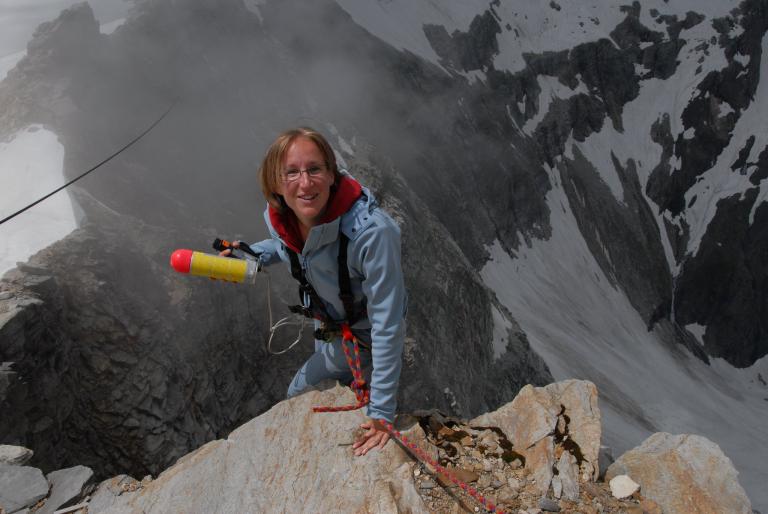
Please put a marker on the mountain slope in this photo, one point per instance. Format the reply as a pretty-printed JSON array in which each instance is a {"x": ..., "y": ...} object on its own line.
[{"x": 600, "y": 168}]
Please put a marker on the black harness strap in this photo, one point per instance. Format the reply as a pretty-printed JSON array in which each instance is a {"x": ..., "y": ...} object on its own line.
[
  {"x": 315, "y": 308},
  {"x": 345, "y": 284},
  {"x": 305, "y": 289}
]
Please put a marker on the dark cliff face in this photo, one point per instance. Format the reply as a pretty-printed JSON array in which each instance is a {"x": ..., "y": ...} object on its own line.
[
  {"x": 122, "y": 365},
  {"x": 623, "y": 235},
  {"x": 721, "y": 286}
]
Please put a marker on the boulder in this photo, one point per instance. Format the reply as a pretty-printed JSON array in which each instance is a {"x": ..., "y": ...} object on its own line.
[
  {"x": 20, "y": 486},
  {"x": 539, "y": 418},
  {"x": 684, "y": 474},
  {"x": 17, "y": 455},
  {"x": 287, "y": 459},
  {"x": 66, "y": 485},
  {"x": 623, "y": 486}
]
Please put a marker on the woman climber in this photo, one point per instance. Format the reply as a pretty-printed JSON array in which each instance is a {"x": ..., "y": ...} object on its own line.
[{"x": 345, "y": 252}]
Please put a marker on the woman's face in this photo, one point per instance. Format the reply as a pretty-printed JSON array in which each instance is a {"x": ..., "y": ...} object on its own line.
[{"x": 306, "y": 196}]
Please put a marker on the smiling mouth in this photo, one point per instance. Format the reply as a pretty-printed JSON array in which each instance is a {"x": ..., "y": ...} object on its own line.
[{"x": 308, "y": 198}]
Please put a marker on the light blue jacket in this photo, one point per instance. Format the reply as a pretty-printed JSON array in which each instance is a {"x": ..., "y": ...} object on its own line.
[{"x": 375, "y": 270}]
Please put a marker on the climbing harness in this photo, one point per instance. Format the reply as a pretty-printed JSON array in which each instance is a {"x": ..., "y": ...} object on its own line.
[
  {"x": 313, "y": 308},
  {"x": 330, "y": 327},
  {"x": 121, "y": 150}
]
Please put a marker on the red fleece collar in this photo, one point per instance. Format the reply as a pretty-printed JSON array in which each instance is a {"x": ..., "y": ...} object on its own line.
[{"x": 341, "y": 200}]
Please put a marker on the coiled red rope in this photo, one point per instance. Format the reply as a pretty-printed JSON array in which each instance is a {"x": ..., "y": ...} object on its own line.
[
  {"x": 363, "y": 395},
  {"x": 361, "y": 390}
]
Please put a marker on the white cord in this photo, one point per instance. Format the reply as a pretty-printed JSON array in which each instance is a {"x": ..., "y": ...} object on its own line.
[{"x": 293, "y": 319}]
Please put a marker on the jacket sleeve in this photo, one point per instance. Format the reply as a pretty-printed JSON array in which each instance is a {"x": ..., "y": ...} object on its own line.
[
  {"x": 384, "y": 289},
  {"x": 268, "y": 250}
]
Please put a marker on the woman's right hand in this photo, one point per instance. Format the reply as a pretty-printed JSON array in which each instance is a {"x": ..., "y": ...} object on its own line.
[{"x": 228, "y": 252}]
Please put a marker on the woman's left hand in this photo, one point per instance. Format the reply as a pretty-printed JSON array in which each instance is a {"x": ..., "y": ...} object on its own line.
[{"x": 375, "y": 436}]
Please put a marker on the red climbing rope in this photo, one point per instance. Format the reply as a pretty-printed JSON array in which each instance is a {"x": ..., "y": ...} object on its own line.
[
  {"x": 424, "y": 458},
  {"x": 362, "y": 393}
]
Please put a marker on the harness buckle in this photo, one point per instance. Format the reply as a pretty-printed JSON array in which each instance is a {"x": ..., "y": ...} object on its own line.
[{"x": 300, "y": 309}]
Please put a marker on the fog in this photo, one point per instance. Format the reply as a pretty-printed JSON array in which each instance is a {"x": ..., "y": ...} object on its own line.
[{"x": 20, "y": 18}]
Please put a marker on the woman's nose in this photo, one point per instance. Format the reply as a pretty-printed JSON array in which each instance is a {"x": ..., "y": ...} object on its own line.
[{"x": 304, "y": 177}]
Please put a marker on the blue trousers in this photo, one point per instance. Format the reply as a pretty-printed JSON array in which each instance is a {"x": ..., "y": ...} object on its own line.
[{"x": 328, "y": 361}]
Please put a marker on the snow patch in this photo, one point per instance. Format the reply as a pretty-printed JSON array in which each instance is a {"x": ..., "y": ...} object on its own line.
[
  {"x": 401, "y": 22},
  {"x": 8, "y": 62},
  {"x": 697, "y": 331},
  {"x": 31, "y": 166},
  {"x": 551, "y": 88},
  {"x": 343, "y": 144},
  {"x": 255, "y": 7},
  {"x": 762, "y": 196},
  {"x": 501, "y": 327},
  {"x": 475, "y": 76},
  {"x": 534, "y": 29},
  {"x": 725, "y": 109},
  {"x": 720, "y": 181},
  {"x": 742, "y": 59},
  {"x": 109, "y": 28}
]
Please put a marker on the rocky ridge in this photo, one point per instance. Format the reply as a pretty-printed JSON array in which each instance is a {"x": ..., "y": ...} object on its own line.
[{"x": 539, "y": 453}]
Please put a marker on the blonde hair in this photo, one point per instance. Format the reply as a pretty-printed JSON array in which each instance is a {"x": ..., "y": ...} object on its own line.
[{"x": 271, "y": 166}]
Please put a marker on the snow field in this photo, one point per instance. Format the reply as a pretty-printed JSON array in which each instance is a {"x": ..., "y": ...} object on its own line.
[
  {"x": 585, "y": 328},
  {"x": 31, "y": 166}
]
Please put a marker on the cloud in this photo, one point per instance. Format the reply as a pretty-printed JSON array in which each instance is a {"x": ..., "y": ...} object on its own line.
[{"x": 20, "y": 18}]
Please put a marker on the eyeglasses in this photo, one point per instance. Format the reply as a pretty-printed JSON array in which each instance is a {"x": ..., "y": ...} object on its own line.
[{"x": 312, "y": 172}]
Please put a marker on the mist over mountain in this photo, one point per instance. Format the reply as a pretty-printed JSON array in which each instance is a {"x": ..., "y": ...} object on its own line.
[{"x": 581, "y": 192}]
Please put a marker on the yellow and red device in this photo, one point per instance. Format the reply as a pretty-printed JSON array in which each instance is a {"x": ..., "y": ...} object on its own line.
[{"x": 214, "y": 266}]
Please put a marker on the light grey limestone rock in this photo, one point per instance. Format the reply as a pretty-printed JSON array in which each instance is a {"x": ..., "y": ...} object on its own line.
[
  {"x": 287, "y": 459},
  {"x": 21, "y": 486},
  {"x": 683, "y": 474},
  {"x": 17, "y": 455},
  {"x": 107, "y": 492},
  {"x": 622, "y": 486},
  {"x": 549, "y": 505},
  {"x": 568, "y": 472},
  {"x": 530, "y": 422},
  {"x": 66, "y": 485},
  {"x": 557, "y": 487}
]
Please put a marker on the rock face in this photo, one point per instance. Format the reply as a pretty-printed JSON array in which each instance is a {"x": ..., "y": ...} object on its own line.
[
  {"x": 133, "y": 385},
  {"x": 20, "y": 486},
  {"x": 546, "y": 423},
  {"x": 66, "y": 485},
  {"x": 268, "y": 465},
  {"x": 290, "y": 459},
  {"x": 17, "y": 455},
  {"x": 683, "y": 474}
]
